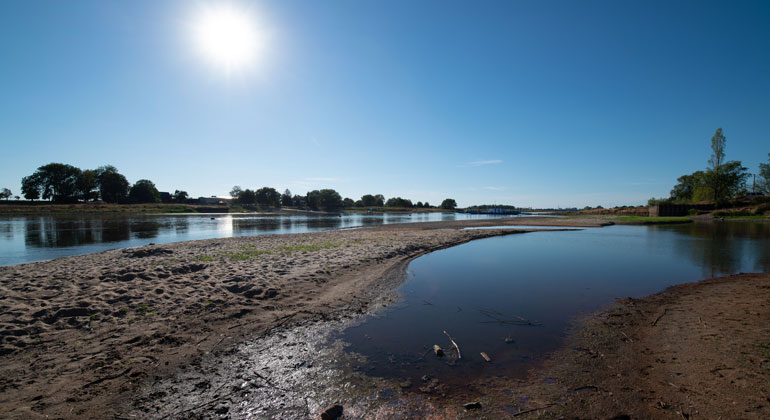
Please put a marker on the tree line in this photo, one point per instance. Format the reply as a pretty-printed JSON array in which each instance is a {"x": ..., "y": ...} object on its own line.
[
  {"x": 325, "y": 199},
  {"x": 62, "y": 183},
  {"x": 721, "y": 182}
]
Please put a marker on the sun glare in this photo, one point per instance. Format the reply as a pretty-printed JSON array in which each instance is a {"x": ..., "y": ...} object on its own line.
[{"x": 227, "y": 37}]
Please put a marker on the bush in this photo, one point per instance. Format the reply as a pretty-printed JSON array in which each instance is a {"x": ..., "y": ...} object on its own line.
[{"x": 762, "y": 209}]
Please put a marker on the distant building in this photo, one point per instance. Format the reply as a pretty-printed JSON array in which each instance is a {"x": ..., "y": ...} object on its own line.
[{"x": 213, "y": 200}]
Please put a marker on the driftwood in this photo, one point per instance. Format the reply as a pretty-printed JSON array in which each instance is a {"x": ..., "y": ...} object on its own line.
[
  {"x": 459, "y": 356},
  {"x": 654, "y": 323},
  {"x": 485, "y": 356}
]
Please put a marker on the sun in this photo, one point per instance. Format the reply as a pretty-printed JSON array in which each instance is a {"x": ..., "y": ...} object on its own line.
[{"x": 227, "y": 37}]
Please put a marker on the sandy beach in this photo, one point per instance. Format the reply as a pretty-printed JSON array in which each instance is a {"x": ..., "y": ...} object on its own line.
[{"x": 159, "y": 331}]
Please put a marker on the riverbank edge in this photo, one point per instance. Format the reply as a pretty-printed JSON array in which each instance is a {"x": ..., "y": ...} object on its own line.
[{"x": 693, "y": 350}]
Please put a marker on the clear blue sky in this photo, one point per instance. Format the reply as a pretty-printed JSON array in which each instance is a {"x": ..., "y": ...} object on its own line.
[{"x": 530, "y": 103}]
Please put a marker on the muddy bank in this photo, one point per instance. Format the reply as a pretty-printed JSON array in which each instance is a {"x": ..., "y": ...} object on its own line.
[
  {"x": 698, "y": 350},
  {"x": 80, "y": 336}
]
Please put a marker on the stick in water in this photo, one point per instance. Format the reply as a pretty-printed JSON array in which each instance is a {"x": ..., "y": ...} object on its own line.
[{"x": 459, "y": 356}]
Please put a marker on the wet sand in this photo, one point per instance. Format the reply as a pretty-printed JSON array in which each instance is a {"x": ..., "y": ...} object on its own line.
[{"x": 80, "y": 335}]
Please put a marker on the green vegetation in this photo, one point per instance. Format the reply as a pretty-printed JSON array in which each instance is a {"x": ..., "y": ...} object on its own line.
[
  {"x": 645, "y": 220},
  {"x": 309, "y": 247},
  {"x": 763, "y": 186},
  {"x": 5, "y": 193},
  {"x": 720, "y": 183},
  {"x": 449, "y": 204},
  {"x": 144, "y": 191}
]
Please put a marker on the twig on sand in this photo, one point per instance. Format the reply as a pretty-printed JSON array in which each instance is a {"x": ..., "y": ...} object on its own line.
[
  {"x": 531, "y": 410},
  {"x": 459, "y": 356},
  {"x": 654, "y": 323}
]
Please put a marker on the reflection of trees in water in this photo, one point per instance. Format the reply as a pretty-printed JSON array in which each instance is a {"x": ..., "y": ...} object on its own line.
[
  {"x": 144, "y": 229},
  {"x": 57, "y": 232},
  {"x": 6, "y": 230},
  {"x": 246, "y": 225},
  {"x": 723, "y": 248}
]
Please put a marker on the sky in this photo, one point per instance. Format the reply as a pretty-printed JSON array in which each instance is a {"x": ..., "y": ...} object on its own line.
[{"x": 526, "y": 103}]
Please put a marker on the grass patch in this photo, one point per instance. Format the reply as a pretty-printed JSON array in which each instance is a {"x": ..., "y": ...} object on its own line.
[
  {"x": 647, "y": 220},
  {"x": 179, "y": 209},
  {"x": 205, "y": 258},
  {"x": 247, "y": 252},
  {"x": 310, "y": 247}
]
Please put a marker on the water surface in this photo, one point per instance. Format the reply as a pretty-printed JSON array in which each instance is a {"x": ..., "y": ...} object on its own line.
[
  {"x": 26, "y": 238},
  {"x": 479, "y": 290}
]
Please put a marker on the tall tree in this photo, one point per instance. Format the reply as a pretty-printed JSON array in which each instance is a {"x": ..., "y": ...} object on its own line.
[
  {"x": 247, "y": 196},
  {"x": 718, "y": 142},
  {"x": 763, "y": 185},
  {"x": 113, "y": 186},
  {"x": 329, "y": 200},
  {"x": 236, "y": 192},
  {"x": 286, "y": 198},
  {"x": 87, "y": 185},
  {"x": 449, "y": 204},
  {"x": 268, "y": 197},
  {"x": 144, "y": 191},
  {"x": 5, "y": 193},
  {"x": 30, "y": 187},
  {"x": 55, "y": 181},
  {"x": 180, "y": 196}
]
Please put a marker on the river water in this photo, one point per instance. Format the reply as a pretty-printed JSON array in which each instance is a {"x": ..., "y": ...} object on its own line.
[
  {"x": 30, "y": 238},
  {"x": 480, "y": 293}
]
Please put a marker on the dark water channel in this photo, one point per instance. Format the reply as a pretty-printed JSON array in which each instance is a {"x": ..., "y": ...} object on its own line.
[
  {"x": 27, "y": 238},
  {"x": 478, "y": 292}
]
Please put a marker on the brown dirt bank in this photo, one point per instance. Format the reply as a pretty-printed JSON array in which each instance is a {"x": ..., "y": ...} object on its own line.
[
  {"x": 79, "y": 335},
  {"x": 695, "y": 351}
]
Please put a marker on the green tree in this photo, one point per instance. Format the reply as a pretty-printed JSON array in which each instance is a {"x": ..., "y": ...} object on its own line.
[
  {"x": 686, "y": 186},
  {"x": 5, "y": 193},
  {"x": 399, "y": 202},
  {"x": 312, "y": 200},
  {"x": 236, "y": 192},
  {"x": 268, "y": 197},
  {"x": 180, "y": 196},
  {"x": 144, "y": 191},
  {"x": 718, "y": 142},
  {"x": 299, "y": 201},
  {"x": 370, "y": 200},
  {"x": 113, "y": 186},
  {"x": 763, "y": 185},
  {"x": 449, "y": 204},
  {"x": 247, "y": 197},
  {"x": 348, "y": 202},
  {"x": 30, "y": 187},
  {"x": 55, "y": 181},
  {"x": 733, "y": 180},
  {"x": 286, "y": 200},
  {"x": 329, "y": 200},
  {"x": 87, "y": 185}
]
